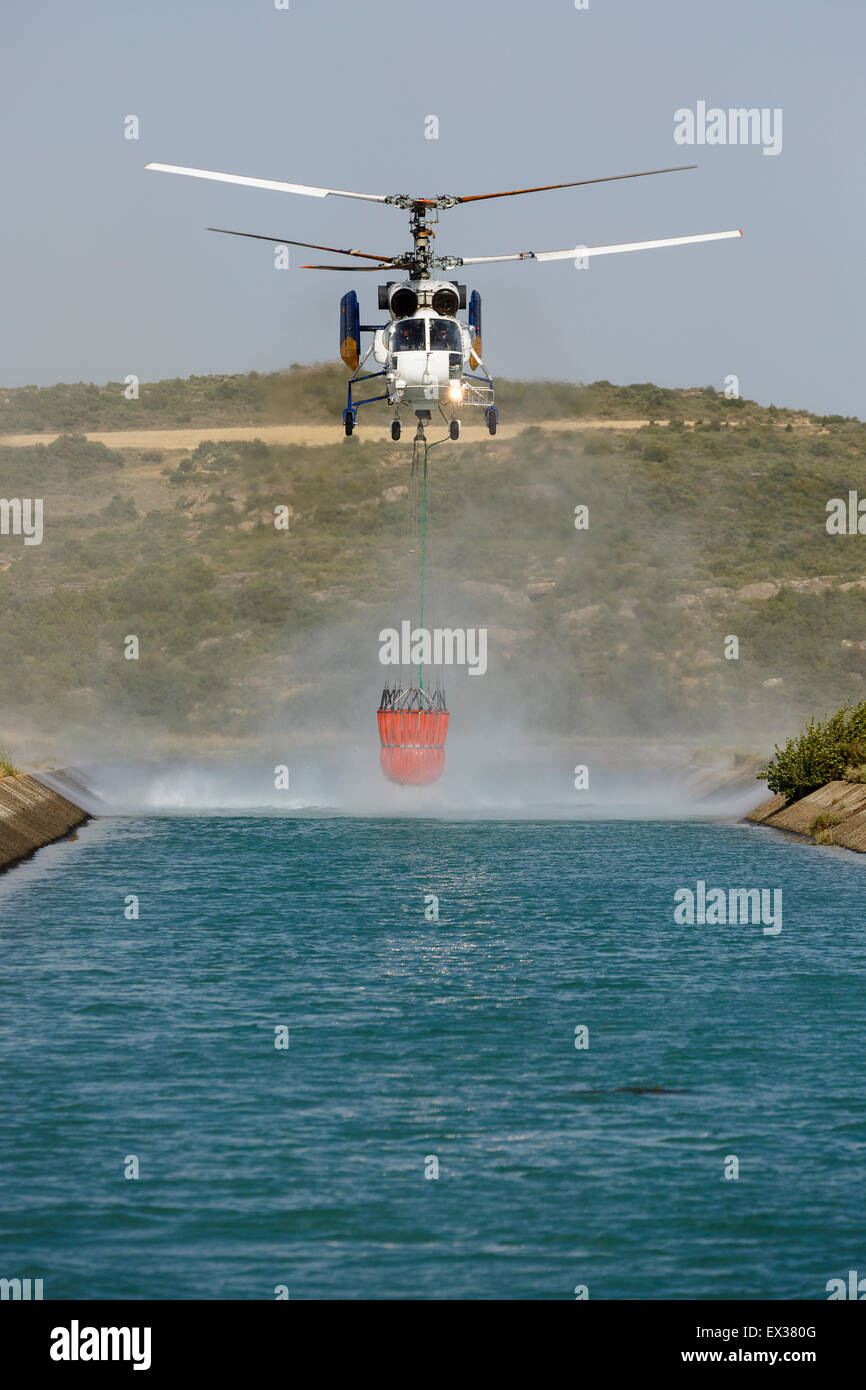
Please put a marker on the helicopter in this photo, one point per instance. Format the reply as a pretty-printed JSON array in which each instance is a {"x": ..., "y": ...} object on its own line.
[{"x": 425, "y": 353}]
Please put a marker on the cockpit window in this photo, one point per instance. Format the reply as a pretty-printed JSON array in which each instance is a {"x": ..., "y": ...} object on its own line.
[
  {"x": 408, "y": 336},
  {"x": 445, "y": 336}
]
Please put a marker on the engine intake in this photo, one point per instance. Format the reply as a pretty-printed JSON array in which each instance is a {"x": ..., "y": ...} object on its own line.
[
  {"x": 402, "y": 301},
  {"x": 446, "y": 301}
]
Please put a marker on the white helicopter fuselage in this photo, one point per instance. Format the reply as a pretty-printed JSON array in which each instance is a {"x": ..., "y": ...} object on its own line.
[
  {"x": 424, "y": 353},
  {"x": 416, "y": 371}
]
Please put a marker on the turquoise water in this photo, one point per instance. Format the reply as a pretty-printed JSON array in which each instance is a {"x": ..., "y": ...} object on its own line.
[{"x": 411, "y": 1038}]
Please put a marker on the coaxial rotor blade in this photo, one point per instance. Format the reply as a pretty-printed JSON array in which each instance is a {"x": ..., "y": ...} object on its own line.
[
  {"x": 356, "y": 269},
  {"x": 312, "y": 245},
  {"x": 575, "y": 251},
  {"x": 280, "y": 187},
  {"x": 577, "y": 183}
]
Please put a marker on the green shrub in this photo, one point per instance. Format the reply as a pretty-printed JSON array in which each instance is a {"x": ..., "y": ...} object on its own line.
[
  {"x": 7, "y": 767},
  {"x": 120, "y": 509},
  {"x": 820, "y": 754}
]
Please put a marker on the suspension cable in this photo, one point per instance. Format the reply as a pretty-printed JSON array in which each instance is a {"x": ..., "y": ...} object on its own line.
[{"x": 427, "y": 448}]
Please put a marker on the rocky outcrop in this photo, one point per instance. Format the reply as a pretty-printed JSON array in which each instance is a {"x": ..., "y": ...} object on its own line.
[
  {"x": 32, "y": 815},
  {"x": 834, "y": 815}
]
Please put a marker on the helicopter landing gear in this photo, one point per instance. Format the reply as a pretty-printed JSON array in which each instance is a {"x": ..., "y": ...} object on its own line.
[
  {"x": 395, "y": 429},
  {"x": 454, "y": 429},
  {"x": 491, "y": 415},
  {"x": 349, "y": 421}
]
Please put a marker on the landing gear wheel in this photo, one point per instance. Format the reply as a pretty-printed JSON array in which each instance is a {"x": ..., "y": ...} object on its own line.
[
  {"x": 454, "y": 429},
  {"x": 492, "y": 421},
  {"x": 395, "y": 429},
  {"x": 350, "y": 424}
]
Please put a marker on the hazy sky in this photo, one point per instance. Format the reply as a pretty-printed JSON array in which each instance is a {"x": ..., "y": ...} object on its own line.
[{"x": 108, "y": 270}]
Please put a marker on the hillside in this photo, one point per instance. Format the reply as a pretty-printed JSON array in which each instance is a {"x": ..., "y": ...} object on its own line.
[
  {"x": 697, "y": 531},
  {"x": 314, "y": 395}
]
